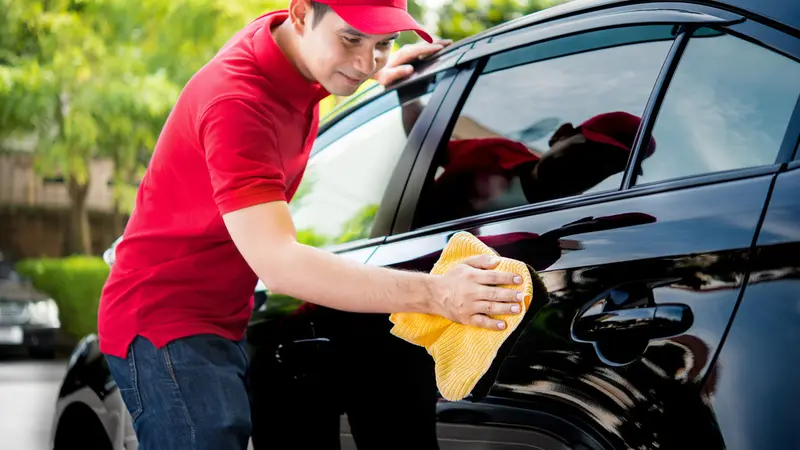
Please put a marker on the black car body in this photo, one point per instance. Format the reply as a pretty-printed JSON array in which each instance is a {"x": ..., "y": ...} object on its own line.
[{"x": 673, "y": 305}]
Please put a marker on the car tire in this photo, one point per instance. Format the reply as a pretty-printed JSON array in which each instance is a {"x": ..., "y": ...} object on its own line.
[{"x": 79, "y": 427}]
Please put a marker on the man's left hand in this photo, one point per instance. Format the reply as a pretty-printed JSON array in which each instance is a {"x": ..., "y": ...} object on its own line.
[{"x": 398, "y": 66}]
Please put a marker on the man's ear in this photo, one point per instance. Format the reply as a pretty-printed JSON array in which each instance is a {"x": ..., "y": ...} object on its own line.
[
  {"x": 564, "y": 131},
  {"x": 300, "y": 15}
]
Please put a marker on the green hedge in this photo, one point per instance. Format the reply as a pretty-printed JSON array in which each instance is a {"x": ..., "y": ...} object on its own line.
[{"x": 75, "y": 284}]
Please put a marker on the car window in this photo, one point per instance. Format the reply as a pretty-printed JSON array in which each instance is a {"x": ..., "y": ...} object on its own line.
[
  {"x": 546, "y": 121},
  {"x": 370, "y": 91},
  {"x": 727, "y": 107},
  {"x": 346, "y": 179}
]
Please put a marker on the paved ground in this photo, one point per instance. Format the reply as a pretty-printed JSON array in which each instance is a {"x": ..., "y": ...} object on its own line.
[{"x": 28, "y": 390}]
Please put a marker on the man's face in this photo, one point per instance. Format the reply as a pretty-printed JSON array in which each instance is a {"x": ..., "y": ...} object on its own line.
[{"x": 340, "y": 57}]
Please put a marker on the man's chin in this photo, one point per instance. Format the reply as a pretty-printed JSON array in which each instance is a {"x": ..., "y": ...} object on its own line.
[{"x": 342, "y": 91}]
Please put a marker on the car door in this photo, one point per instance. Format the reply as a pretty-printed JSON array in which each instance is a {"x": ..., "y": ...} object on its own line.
[
  {"x": 345, "y": 204},
  {"x": 754, "y": 395},
  {"x": 643, "y": 269}
]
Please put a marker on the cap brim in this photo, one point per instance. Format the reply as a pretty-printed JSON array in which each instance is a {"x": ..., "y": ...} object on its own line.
[{"x": 379, "y": 19}]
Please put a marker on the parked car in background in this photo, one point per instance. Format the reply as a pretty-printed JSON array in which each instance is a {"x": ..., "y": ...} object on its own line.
[
  {"x": 29, "y": 321},
  {"x": 671, "y": 314}
]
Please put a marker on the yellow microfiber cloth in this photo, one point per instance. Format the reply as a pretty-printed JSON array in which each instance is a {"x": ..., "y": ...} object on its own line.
[{"x": 463, "y": 353}]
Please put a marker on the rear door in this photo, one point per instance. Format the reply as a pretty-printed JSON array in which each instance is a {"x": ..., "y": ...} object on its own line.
[{"x": 644, "y": 268}]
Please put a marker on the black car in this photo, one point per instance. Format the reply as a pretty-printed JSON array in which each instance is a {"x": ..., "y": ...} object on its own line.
[{"x": 672, "y": 312}]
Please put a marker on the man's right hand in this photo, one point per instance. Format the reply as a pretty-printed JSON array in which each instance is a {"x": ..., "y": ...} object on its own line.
[{"x": 469, "y": 293}]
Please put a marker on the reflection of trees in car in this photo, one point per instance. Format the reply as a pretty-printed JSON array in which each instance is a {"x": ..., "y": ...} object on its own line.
[{"x": 357, "y": 227}]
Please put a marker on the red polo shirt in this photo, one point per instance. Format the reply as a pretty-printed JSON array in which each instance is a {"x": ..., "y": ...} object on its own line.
[{"x": 240, "y": 134}]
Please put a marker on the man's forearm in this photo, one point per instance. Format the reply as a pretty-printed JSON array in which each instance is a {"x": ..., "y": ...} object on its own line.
[
  {"x": 264, "y": 234},
  {"x": 320, "y": 277}
]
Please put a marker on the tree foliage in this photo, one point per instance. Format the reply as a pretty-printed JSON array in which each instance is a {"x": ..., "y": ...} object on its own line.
[
  {"x": 98, "y": 78},
  {"x": 463, "y": 18}
]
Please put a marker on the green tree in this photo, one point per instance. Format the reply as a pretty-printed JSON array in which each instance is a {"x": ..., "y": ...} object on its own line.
[
  {"x": 97, "y": 78},
  {"x": 463, "y": 18}
]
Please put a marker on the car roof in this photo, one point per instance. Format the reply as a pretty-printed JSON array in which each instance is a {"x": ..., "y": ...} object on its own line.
[{"x": 783, "y": 12}]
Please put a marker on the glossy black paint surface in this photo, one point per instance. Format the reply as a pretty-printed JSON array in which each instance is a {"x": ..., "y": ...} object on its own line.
[
  {"x": 755, "y": 395},
  {"x": 686, "y": 250}
]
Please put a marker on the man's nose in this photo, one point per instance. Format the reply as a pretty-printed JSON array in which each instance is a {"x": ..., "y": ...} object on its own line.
[{"x": 367, "y": 61}]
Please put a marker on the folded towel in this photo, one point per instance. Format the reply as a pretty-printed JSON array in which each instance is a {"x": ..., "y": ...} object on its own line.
[{"x": 463, "y": 353}]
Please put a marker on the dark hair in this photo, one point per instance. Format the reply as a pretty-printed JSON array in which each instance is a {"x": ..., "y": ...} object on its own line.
[{"x": 320, "y": 9}]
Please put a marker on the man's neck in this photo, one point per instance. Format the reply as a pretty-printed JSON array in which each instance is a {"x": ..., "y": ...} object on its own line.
[{"x": 286, "y": 40}]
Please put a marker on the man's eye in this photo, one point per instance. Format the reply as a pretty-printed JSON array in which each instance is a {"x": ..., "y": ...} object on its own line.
[
  {"x": 385, "y": 44},
  {"x": 351, "y": 40}
]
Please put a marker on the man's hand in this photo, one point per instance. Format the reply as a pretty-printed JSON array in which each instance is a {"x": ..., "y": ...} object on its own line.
[
  {"x": 468, "y": 293},
  {"x": 398, "y": 66}
]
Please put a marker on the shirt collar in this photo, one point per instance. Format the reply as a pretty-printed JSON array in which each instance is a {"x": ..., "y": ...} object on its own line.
[{"x": 298, "y": 91}]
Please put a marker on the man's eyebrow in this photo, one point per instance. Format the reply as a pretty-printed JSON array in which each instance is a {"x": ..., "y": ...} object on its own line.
[{"x": 352, "y": 31}]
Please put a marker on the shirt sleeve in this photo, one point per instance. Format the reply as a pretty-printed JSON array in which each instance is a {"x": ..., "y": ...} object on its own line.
[{"x": 240, "y": 145}]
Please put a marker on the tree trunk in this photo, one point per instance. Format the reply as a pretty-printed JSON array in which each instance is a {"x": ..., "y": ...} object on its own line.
[
  {"x": 121, "y": 175},
  {"x": 81, "y": 239},
  {"x": 116, "y": 218}
]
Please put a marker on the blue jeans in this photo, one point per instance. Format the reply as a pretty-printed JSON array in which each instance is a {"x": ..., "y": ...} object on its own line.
[{"x": 190, "y": 394}]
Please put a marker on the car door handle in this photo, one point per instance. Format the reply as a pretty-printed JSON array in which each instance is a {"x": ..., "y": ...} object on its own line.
[{"x": 651, "y": 322}]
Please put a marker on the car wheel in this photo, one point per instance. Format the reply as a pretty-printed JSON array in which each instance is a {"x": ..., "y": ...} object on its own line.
[{"x": 79, "y": 427}]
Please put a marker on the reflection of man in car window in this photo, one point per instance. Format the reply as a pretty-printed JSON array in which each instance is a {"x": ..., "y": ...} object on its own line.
[{"x": 489, "y": 173}]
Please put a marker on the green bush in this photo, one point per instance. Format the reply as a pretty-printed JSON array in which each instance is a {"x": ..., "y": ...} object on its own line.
[{"x": 75, "y": 283}]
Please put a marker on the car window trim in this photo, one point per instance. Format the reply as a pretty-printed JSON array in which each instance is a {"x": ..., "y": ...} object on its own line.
[
  {"x": 619, "y": 17},
  {"x": 440, "y": 124},
  {"x": 653, "y": 105},
  {"x": 398, "y": 182}
]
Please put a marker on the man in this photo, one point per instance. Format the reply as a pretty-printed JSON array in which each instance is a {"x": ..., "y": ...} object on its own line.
[
  {"x": 211, "y": 218},
  {"x": 485, "y": 174}
]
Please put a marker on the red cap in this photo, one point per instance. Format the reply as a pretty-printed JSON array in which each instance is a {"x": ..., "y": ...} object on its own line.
[
  {"x": 617, "y": 129},
  {"x": 377, "y": 16}
]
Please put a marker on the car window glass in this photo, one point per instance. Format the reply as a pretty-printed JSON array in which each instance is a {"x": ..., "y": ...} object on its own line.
[
  {"x": 345, "y": 181},
  {"x": 524, "y": 134},
  {"x": 364, "y": 95},
  {"x": 727, "y": 107}
]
